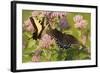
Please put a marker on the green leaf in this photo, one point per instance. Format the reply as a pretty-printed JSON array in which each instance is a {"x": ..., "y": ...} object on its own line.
[
  {"x": 31, "y": 43},
  {"x": 26, "y": 58}
]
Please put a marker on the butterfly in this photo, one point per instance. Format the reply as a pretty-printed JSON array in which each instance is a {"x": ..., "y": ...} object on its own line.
[{"x": 64, "y": 40}]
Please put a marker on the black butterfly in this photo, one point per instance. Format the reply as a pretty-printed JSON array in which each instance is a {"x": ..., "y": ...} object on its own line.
[{"x": 64, "y": 40}]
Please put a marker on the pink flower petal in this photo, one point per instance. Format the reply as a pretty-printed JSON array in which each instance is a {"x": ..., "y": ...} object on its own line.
[
  {"x": 78, "y": 18},
  {"x": 36, "y": 58}
]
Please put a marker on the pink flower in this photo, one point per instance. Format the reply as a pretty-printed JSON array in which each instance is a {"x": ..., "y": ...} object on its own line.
[
  {"x": 36, "y": 58},
  {"x": 52, "y": 14},
  {"x": 45, "y": 41},
  {"x": 80, "y": 22},
  {"x": 78, "y": 18},
  {"x": 58, "y": 14},
  {"x": 28, "y": 26}
]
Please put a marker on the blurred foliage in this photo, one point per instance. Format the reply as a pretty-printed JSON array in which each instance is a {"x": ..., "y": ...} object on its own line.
[{"x": 54, "y": 53}]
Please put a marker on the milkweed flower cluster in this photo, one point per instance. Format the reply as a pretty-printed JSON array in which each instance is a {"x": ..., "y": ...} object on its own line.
[
  {"x": 28, "y": 26},
  {"x": 46, "y": 41},
  {"x": 36, "y": 58},
  {"x": 52, "y": 14},
  {"x": 80, "y": 22},
  {"x": 61, "y": 18}
]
